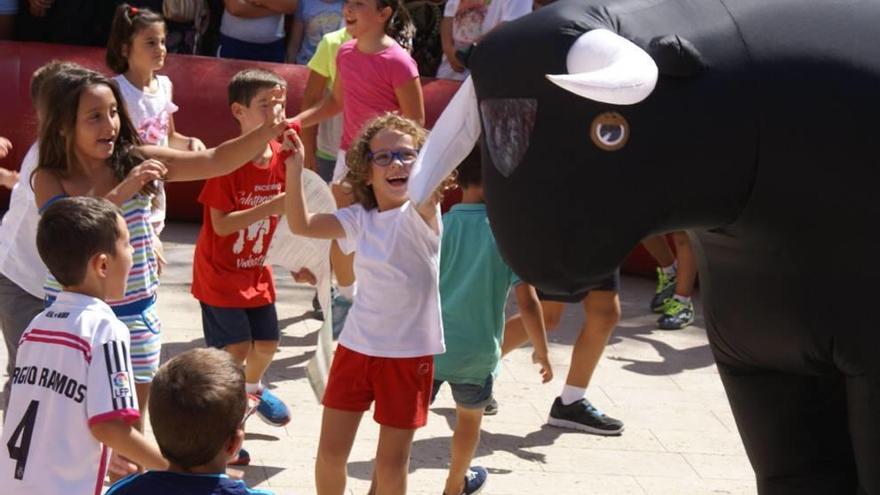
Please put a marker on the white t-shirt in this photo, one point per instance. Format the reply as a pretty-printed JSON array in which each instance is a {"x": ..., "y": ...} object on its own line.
[
  {"x": 471, "y": 19},
  {"x": 151, "y": 115},
  {"x": 268, "y": 29},
  {"x": 73, "y": 369},
  {"x": 396, "y": 310},
  {"x": 19, "y": 259}
]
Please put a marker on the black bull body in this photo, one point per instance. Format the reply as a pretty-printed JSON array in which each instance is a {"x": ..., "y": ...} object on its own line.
[{"x": 760, "y": 138}]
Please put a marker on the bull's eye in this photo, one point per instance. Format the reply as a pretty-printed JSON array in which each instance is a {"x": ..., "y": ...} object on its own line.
[
  {"x": 508, "y": 125},
  {"x": 609, "y": 131}
]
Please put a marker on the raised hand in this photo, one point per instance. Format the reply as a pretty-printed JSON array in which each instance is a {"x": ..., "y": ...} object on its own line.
[
  {"x": 5, "y": 147},
  {"x": 149, "y": 170},
  {"x": 274, "y": 115}
]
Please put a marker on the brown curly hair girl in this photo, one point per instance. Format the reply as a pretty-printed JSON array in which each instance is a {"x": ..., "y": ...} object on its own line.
[{"x": 358, "y": 160}]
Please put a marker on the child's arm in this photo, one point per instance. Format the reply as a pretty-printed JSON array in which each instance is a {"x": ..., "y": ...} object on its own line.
[
  {"x": 130, "y": 443},
  {"x": 247, "y": 9},
  {"x": 448, "y": 45},
  {"x": 278, "y": 6},
  {"x": 411, "y": 101},
  {"x": 225, "y": 158},
  {"x": 300, "y": 221},
  {"x": 294, "y": 43},
  {"x": 428, "y": 209},
  {"x": 5, "y": 147},
  {"x": 47, "y": 184},
  {"x": 533, "y": 321},
  {"x": 313, "y": 94},
  {"x": 226, "y": 223},
  {"x": 328, "y": 107},
  {"x": 8, "y": 178}
]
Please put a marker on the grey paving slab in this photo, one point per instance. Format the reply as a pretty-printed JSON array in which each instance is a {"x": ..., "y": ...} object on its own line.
[{"x": 680, "y": 437}]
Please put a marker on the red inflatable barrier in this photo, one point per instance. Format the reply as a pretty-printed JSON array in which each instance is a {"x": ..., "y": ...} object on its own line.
[{"x": 199, "y": 91}]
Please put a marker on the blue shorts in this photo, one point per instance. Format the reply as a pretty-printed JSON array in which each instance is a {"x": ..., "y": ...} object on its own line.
[
  {"x": 225, "y": 326},
  {"x": 468, "y": 395},
  {"x": 243, "y": 50},
  {"x": 325, "y": 168}
]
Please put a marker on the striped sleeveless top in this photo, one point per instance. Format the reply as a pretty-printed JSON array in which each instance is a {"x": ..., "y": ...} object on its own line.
[{"x": 143, "y": 279}]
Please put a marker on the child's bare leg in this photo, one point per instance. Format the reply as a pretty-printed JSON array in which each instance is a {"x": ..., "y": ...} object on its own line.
[
  {"x": 602, "y": 309},
  {"x": 143, "y": 395},
  {"x": 659, "y": 250},
  {"x": 338, "y": 429},
  {"x": 239, "y": 351},
  {"x": 392, "y": 461},
  {"x": 515, "y": 333},
  {"x": 258, "y": 359},
  {"x": 687, "y": 265},
  {"x": 464, "y": 443}
]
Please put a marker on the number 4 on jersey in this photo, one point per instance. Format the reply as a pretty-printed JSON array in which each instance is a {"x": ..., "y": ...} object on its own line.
[{"x": 24, "y": 430}]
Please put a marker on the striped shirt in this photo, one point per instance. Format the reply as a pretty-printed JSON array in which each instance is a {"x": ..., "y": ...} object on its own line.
[{"x": 143, "y": 279}]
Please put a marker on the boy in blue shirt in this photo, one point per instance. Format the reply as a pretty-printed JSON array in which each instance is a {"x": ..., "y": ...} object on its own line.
[
  {"x": 197, "y": 410},
  {"x": 474, "y": 284}
]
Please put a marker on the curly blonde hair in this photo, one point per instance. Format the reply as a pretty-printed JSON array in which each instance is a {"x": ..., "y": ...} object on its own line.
[{"x": 357, "y": 158}]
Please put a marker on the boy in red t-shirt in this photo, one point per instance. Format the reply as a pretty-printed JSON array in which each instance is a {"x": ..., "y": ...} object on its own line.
[{"x": 231, "y": 282}]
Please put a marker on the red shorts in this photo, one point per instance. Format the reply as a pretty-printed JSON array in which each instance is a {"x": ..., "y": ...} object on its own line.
[{"x": 401, "y": 387}]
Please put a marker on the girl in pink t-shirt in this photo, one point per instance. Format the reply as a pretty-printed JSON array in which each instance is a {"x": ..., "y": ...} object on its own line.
[{"x": 375, "y": 74}]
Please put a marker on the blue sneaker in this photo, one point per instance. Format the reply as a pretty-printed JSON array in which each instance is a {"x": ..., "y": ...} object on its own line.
[
  {"x": 339, "y": 307},
  {"x": 475, "y": 480},
  {"x": 271, "y": 409}
]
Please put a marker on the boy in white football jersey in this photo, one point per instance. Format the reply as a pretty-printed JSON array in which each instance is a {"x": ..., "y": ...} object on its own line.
[{"x": 72, "y": 388}]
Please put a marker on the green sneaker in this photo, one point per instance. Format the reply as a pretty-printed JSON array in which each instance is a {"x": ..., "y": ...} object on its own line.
[
  {"x": 676, "y": 315},
  {"x": 665, "y": 290}
]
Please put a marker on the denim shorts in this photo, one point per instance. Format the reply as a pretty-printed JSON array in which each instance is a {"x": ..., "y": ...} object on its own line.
[{"x": 468, "y": 395}]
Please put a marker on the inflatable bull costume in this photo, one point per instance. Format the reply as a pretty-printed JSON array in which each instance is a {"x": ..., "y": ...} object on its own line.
[{"x": 751, "y": 122}]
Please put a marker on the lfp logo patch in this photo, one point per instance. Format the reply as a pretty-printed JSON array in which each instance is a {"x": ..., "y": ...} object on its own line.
[
  {"x": 120, "y": 385},
  {"x": 609, "y": 131}
]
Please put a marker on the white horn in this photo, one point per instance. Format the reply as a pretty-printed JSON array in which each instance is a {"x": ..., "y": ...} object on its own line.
[{"x": 606, "y": 67}]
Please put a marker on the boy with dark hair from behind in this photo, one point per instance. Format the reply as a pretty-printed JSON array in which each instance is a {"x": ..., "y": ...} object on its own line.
[
  {"x": 197, "y": 410},
  {"x": 474, "y": 285},
  {"x": 72, "y": 387},
  {"x": 230, "y": 279}
]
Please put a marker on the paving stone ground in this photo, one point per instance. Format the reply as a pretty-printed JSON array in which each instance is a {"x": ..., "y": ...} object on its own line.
[{"x": 680, "y": 437}]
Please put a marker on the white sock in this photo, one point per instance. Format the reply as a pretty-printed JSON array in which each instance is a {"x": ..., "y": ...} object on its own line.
[
  {"x": 347, "y": 291},
  {"x": 572, "y": 394},
  {"x": 682, "y": 299},
  {"x": 671, "y": 269},
  {"x": 253, "y": 388}
]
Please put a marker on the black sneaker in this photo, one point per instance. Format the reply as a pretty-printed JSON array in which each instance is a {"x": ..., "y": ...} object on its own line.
[
  {"x": 491, "y": 408},
  {"x": 583, "y": 416}
]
